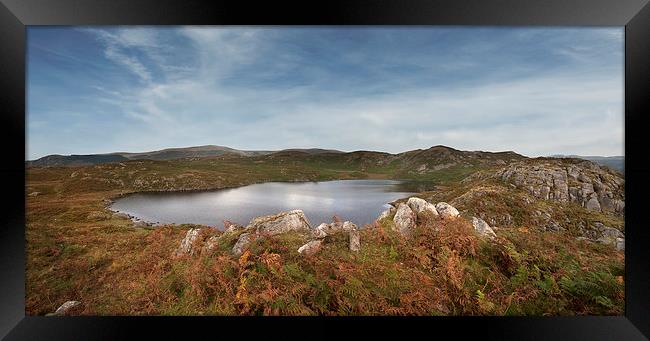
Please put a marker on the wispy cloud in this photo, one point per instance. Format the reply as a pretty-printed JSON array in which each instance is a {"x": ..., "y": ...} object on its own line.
[{"x": 535, "y": 91}]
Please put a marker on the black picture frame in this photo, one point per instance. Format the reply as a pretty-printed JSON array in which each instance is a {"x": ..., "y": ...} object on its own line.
[{"x": 15, "y": 15}]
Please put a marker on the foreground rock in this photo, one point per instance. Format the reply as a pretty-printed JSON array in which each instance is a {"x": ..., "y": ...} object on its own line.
[
  {"x": 404, "y": 219},
  {"x": 242, "y": 243},
  {"x": 446, "y": 211},
  {"x": 311, "y": 248},
  {"x": 230, "y": 227},
  {"x": 268, "y": 226},
  {"x": 280, "y": 223},
  {"x": 64, "y": 308},
  {"x": 569, "y": 180},
  {"x": 483, "y": 229},
  {"x": 355, "y": 240},
  {"x": 187, "y": 244},
  {"x": 323, "y": 230},
  {"x": 611, "y": 236},
  {"x": 422, "y": 207}
]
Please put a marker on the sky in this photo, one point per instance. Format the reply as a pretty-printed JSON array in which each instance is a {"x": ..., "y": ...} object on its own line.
[{"x": 535, "y": 91}]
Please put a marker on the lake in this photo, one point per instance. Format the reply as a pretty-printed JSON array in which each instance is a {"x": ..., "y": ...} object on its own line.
[{"x": 359, "y": 201}]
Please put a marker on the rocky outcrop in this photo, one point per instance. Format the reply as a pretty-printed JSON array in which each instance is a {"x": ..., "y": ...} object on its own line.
[
  {"x": 569, "y": 180},
  {"x": 446, "y": 211},
  {"x": 482, "y": 228},
  {"x": 311, "y": 248},
  {"x": 422, "y": 207},
  {"x": 404, "y": 220},
  {"x": 599, "y": 233},
  {"x": 610, "y": 236},
  {"x": 319, "y": 231},
  {"x": 187, "y": 244},
  {"x": 230, "y": 227}
]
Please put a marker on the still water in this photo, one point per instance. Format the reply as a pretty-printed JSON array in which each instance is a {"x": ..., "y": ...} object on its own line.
[{"x": 359, "y": 201}]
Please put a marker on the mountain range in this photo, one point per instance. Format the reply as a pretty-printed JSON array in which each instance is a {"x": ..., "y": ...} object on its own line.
[
  {"x": 212, "y": 151},
  {"x": 441, "y": 154}
]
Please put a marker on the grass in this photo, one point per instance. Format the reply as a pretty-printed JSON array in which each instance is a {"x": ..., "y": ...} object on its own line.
[{"x": 77, "y": 250}]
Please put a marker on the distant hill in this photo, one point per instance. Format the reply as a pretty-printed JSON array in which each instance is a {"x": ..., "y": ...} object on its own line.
[
  {"x": 310, "y": 150},
  {"x": 613, "y": 162},
  {"x": 180, "y": 153},
  {"x": 164, "y": 154},
  {"x": 418, "y": 161},
  {"x": 75, "y": 160}
]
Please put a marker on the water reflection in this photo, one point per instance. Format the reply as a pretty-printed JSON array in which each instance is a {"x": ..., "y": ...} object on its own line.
[{"x": 357, "y": 200}]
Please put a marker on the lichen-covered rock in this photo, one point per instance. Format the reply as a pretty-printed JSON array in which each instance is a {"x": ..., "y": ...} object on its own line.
[
  {"x": 319, "y": 231},
  {"x": 446, "y": 211},
  {"x": 230, "y": 227},
  {"x": 421, "y": 206},
  {"x": 324, "y": 230},
  {"x": 620, "y": 244},
  {"x": 404, "y": 219},
  {"x": 348, "y": 226},
  {"x": 211, "y": 244},
  {"x": 355, "y": 240},
  {"x": 483, "y": 228},
  {"x": 187, "y": 244},
  {"x": 310, "y": 248},
  {"x": 593, "y": 204},
  {"x": 65, "y": 307},
  {"x": 242, "y": 243},
  {"x": 280, "y": 223},
  {"x": 569, "y": 180}
]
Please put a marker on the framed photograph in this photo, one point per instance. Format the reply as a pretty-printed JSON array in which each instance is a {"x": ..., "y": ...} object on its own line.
[{"x": 476, "y": 167}]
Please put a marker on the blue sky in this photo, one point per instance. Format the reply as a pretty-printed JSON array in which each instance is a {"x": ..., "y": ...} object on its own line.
[{"x": 537, "y": 91}]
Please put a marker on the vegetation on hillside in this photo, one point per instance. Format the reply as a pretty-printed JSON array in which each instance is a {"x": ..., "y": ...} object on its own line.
[{"x": 76, "y": 249}]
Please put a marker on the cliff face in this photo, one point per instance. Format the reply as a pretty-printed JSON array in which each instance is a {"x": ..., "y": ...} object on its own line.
[{"x": 569, "y": 180}]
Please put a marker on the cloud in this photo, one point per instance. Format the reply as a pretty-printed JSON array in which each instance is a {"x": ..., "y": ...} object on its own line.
[{"x": 534, "y": 91}]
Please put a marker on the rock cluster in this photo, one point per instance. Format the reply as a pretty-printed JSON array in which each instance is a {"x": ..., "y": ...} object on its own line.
[
  {"x": 584, "y": 182},
  {"x": 323, "y": 230},
  {"x": 406, "y": 215},
  {"x": 422, "y": 207},
  {"x": 269, "y": 226},
  {"x": 600, "y": 233}
]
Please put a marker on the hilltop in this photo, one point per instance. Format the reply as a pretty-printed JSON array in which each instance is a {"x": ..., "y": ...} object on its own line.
[
  {"x": 164, "y": 154},
  {"x": 558, "y": 226},
  {"x": 436, "y": 153}
]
